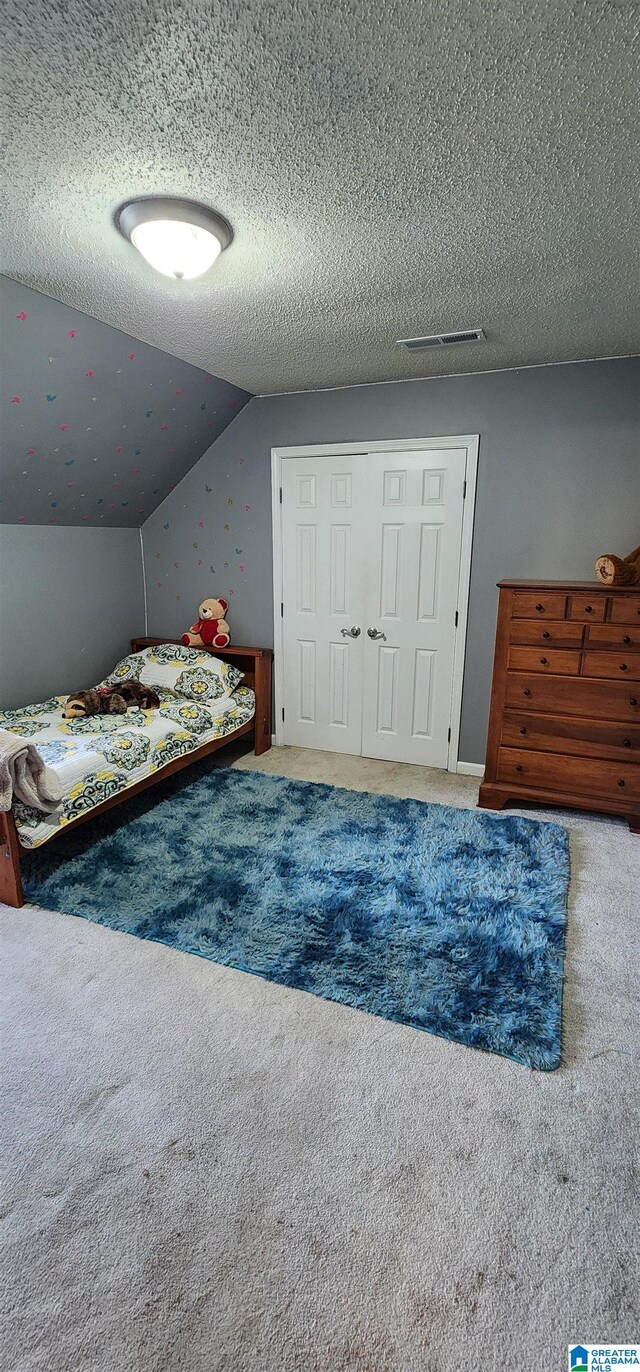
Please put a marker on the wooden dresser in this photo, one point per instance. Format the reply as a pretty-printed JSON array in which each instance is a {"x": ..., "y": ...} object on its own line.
[{"x": 564, "y": 727}]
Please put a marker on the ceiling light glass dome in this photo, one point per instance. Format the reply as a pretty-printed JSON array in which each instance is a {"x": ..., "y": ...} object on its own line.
[{"x": 178, "y": 238}]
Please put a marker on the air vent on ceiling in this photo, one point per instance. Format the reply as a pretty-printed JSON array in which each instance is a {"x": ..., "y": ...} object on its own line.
[{"x": 440, "y": 340}]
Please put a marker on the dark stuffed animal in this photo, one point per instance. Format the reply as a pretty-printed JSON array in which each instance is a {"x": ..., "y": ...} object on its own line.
[
  {"x": 106, "y": 701},
  {"x": 111, "y": 700},
  {"x": 135, "y": 693}
]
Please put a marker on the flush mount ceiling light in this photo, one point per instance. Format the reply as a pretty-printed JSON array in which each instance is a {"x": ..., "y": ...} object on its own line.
[{"x": 178, "y": 237}]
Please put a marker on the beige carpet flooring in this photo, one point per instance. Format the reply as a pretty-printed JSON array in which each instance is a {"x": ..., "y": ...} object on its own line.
[{"x": 206, "y": 1172}]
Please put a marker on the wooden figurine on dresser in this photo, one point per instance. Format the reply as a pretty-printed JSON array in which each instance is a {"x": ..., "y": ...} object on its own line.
[{"x": 564, "y": 726}]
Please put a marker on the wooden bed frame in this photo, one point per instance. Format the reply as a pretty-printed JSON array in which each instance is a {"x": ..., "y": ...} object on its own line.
[{"x": 255, "y": 663}]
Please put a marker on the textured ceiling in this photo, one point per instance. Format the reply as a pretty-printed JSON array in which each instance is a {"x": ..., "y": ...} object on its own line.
[
  {"x": 95, "y": 427},
  {"x": 389, "y": 170}
]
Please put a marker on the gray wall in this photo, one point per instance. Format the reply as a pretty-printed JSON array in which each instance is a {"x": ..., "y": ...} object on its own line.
[
  {"x": 559, "y": 482},
  {"x": 70, "y": 600},
  {"x": 96, "y": 427}
]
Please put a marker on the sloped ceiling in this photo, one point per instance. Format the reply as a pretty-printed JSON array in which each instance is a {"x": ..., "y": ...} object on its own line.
[
  {"x": 389, "y": 170},
  {"x": 97, "y": 428}
]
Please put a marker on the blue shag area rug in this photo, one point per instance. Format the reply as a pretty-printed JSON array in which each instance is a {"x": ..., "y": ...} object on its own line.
[{"x": 448, "y": 920}]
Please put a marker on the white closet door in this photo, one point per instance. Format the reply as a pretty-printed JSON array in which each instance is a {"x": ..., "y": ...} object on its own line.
[
  {"x": 323, "y": 579},
  {"x": 413, "y": 504}
]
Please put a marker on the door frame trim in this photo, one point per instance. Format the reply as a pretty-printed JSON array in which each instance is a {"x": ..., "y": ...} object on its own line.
[{"x": 471, "y": 442}]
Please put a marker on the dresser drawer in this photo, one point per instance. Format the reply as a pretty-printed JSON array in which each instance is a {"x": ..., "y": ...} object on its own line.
[
  {"x": 551, "y": 633},
  {"x": 586, "y": 776},
  {"x": 572, "y": 696},
  {"x": 623, "y": 666},
  {"x": 625, "y": 609},
  {"x": 536, "y": 605},
  {"x": 561, "y": 661},
  {"x": 578, "y": 737},
  {"x": 614, "y": 636},
  {"x": 590, "y": 609}
]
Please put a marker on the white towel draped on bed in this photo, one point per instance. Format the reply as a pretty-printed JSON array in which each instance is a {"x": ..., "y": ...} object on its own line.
[{"x": 25, "y": 776}]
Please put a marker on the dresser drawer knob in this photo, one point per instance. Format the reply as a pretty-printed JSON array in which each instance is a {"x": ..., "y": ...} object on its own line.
[
  {"x": 523, "y": 731},
  {"x": 520, "y": 768},
  {"x": 544, "y": 661},
  {"x": 539, "y": 608},
  {"x": 621, "y": 783},
  {"x": 546, "y": 634},
  {"x": 633, "y": 700},
  {"x": 527, "y": 692},
  {"x": 588, "y": 609},
  {"x": 626, "y": 743},
  {"x": 624, "y": 667},
  {"x": 626, "y": 638}
]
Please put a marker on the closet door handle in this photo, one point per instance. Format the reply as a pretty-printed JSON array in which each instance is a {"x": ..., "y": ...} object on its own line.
[
  {"x": 376, "y": 633},
  {"x": 353, "y": 632}
]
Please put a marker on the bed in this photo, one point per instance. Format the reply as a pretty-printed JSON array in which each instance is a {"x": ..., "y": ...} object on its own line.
[{"x": 208, "y": 698}]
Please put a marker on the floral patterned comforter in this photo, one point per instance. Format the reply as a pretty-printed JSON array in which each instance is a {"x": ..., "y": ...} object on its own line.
[{"x": 95, "y": 758}]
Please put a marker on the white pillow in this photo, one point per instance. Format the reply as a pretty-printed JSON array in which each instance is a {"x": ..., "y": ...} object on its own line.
[{"x": 182, "y": 671}]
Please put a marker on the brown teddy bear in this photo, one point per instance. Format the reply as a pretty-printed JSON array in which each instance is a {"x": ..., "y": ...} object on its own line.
[
  {"x": 111, "y": 700},
  {"x": 211, "y": 629},
  {"x": 619, "y": 571}
]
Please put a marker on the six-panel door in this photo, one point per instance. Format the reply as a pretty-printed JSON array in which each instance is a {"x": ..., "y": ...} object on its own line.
[
  {"x": 371, "y": 543},
  {"x": 414, "y": 504},
  {"x": 323, "y": 543}
]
